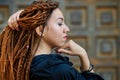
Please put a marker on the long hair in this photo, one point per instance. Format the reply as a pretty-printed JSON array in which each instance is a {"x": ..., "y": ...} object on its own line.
[{"x": 17, "y": 48}]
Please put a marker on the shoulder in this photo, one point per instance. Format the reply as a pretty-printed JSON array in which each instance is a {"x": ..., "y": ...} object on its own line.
[
  {"x": 52, "y": 60},
  {"x": 49, "y": 66},
  {"x": 55, "y": 61}
]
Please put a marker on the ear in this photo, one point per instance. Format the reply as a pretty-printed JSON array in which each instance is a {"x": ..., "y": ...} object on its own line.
[{"x": 39, "y": 30}]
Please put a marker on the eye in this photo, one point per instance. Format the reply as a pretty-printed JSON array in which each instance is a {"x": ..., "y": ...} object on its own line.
[{"x": 60, "y": 24}]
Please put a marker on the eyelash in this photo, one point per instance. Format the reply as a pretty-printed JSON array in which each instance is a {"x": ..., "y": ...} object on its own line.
[{"x": 60, "y": 24}]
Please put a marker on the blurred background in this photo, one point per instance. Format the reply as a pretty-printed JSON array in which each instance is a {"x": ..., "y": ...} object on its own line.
[{"x": 94, "y": 24}]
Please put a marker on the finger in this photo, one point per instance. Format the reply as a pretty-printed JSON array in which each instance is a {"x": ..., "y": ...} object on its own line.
[
  {"x": 13, "y": 22},
  {"x": 17, "y": 18},
  {"x": 17, "y": 27},
  {"x": 11, "y": 27},
  {"x": 16, "y": 24},
  {"x": 10, "y": 23}
]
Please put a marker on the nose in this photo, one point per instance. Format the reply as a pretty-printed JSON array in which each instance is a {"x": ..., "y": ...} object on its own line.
[{"x": 66, "y": 28}]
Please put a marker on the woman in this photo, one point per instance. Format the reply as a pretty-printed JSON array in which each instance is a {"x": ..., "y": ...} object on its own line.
[{"x": 33, "y": 52}]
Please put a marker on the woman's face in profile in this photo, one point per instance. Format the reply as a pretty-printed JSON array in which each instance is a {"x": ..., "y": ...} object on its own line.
[{"x": 56, "y": 31}]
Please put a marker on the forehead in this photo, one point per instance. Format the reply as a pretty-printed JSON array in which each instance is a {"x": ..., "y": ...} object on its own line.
[{"x": 57, "y": 14}]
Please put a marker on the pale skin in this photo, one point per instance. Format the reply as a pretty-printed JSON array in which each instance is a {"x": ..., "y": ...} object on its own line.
[{"x": 55, "y": 35}]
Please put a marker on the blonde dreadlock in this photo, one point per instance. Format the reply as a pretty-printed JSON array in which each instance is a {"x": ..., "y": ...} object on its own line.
[{"x": 16, "y": 47}]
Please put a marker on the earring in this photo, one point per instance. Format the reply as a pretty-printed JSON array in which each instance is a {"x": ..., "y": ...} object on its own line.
[{"x": 42, "y": 35}]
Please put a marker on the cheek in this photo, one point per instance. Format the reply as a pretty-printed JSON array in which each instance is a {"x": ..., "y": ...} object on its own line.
[
  {"x": 55, "y": 36},
  {"x": 55, "y": 33},
  {"x": 55, "y": 30},
  {"x": 58, "y": 39}
]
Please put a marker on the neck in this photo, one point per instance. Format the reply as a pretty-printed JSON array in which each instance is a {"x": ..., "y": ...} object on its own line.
[{"x": 43, "y": 48}]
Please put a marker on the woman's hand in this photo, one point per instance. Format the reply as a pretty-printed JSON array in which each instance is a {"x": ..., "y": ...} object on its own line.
[
  {"x": 12, "y": 21},
  {"x": 72, "y": 48}
]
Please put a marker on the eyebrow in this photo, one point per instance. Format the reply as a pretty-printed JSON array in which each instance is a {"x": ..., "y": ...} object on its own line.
[{"x": 60, "y": 18}]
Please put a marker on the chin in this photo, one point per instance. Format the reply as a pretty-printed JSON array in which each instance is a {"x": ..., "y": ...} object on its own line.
[{"x": 62, "y": 44}]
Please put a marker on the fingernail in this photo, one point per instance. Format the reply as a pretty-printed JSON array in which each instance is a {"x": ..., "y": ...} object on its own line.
[{"x": 59, "y": 50}]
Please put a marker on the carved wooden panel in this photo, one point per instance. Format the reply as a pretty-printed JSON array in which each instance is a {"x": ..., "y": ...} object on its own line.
[
  {"x": 108, "y": 73},
  {"x": 106, "y": 17},
  {"x": 76, "y": 18},
  {"x": 106, "y": 47}
]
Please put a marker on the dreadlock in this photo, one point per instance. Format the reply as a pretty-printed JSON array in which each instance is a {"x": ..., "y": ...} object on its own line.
[{"x": 17, "y": 48}]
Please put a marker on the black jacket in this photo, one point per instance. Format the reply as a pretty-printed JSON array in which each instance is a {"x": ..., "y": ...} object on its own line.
[{"x": 57, "y": 67}]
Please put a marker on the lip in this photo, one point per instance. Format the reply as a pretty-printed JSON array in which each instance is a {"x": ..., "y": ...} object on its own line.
[{"x": 65, "y": 37}]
